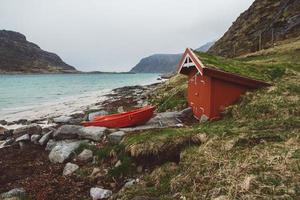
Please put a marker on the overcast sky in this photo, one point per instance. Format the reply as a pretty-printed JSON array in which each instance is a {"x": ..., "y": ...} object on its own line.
[{"x": 113, "y": 35}]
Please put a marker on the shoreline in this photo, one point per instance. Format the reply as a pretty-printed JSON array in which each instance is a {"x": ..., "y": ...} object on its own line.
[{"x": 72, "y": 106}]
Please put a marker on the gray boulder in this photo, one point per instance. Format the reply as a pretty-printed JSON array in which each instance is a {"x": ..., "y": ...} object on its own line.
[
  {"x": 32, "y": 129},
  {"x": 23, "y": 138},
  {"x": 63, "y": 151},
  {"x": 70, "y": 168},
  {"x": 161, "y": 120},
  {"x": 99, "y": 193},
  {"x": 62, "y": 119},
  {"x": 13, "y": 193},
  {"x": 35, "y": 139},
  {"x": 3, "y": 122},
  {"x": 50, "y": 145},
  {"x": 116, "y": 137},
  {"x": 188, "y": 112},
  {"x": 85, "y": 156},
  {"x": 67, "y": 132},
  {"x": 74, "y": 131},
  {"x": 45, "y": 138},
  {"x": 92, "y": 115},
  {"x": 92, "y": 133}
]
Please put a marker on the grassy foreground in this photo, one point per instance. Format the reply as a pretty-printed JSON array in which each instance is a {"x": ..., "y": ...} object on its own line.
[{"x": 252, "y": 153}]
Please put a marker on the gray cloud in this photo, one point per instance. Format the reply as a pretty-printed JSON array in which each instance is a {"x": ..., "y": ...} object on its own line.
[{"x": 112, "y": 35}]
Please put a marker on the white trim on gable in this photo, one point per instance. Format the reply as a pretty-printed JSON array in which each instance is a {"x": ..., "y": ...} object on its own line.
[{"x": 188, "y": 61}]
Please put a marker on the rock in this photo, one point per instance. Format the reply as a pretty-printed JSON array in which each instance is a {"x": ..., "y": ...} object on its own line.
[
  {"x": 21, "y": 121},
  {"x": 7, "y": 142},
  {"x": 131, "y": 182},
  {"x": 99, "y": 193},
  {"x": 186, "y": 113},
  {"x": 50, "y": 145},
  {"x": 118, "y": 164},
  {"x": 4, "y": 133},
  {"x": 13, "y": 193},
  {"x": 92, "y": 115},
  {"x": 45, "y": 138},
  {"x": 161, "y": 120},
  {"x": 3, "y": 122},
  {"x": 35, "y": 139},
  {"x": 203, "y": 119},
  {"x": 116, "y": 137},
  {"x": 32, "y": 129},
  {"x": 85, "y": 156},
  {"x": 67, "y": 132},
  {"x": 70, "y": 168},
  {"x": 25, "y": 137},
  {"x": 95, "y": 172},
  {"x": 92, "y": 133},
  {"x": 120, "y": 109},
  {"x": 62, "y": 119},
  {"x": 74, "y": 131},
  {"x": 63, "y": 150},
  {"x": 202, "y": 137}
]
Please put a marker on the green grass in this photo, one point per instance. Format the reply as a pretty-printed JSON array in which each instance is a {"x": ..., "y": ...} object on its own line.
[{"x": 251, "y": 153}]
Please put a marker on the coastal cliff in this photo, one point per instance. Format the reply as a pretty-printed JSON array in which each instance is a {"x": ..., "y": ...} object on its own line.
[{"x": 17, "y": 55}]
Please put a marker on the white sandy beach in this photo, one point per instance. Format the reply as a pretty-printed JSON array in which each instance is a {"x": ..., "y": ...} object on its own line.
[{"x": 66, "y": 106}]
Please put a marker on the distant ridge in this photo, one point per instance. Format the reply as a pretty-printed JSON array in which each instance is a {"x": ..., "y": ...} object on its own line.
[
  {"x": 157, "y": 63},
  {"x": 163, "y": 63},
  {"x": 204, "y": 48},
  {"x": 17, "y": 55}
]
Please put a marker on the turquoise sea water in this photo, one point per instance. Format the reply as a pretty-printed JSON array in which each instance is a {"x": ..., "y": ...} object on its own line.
[{"x": 17, "y": 91}]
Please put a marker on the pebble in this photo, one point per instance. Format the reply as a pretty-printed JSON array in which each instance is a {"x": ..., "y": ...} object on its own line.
[
  {"x": 13, "y": 193},
  {"x": 25, "y": 137},
  {"x": 99, "y": 193},
  {"x": 35, "y": 139},
  {"x": 45, "y": 138},
  {"x": 85, "y": 156},
  {"x": 70, "y": 168}
]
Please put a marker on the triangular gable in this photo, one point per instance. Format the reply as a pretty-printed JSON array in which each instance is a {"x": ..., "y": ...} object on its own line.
[{"x": 189, "y": 61}]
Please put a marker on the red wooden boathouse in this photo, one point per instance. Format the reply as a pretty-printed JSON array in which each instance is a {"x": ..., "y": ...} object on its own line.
[{"x": 210, "y": 90}]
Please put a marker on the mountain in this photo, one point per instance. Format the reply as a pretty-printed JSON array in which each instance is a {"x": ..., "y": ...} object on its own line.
[
  {"x": 17, "y": 55},
  {"x": 157, "y": 63},
  {"x": 205, "y": 47},
  {"x": 263, "y": 25}
]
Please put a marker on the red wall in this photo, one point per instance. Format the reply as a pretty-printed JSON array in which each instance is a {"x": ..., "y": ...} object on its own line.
[
  {"x": 199, "y": 94},
  {"x": 210, "y": 96},
  {"x": 224, "y": 94}
]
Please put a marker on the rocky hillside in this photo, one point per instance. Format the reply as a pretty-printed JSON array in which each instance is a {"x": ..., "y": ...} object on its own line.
[
  {"x": 17, "y": 55},
  {"x": 263, "y": 25},
  {"x": 158, "y": 63}
]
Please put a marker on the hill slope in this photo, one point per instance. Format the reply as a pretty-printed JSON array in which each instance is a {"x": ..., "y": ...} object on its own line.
[
  {"x": 158, "y": 63},
  {"x": 264, "y": 18},
  {"x": 17, "y": 55},
  {"x": 253, "y": 152}
]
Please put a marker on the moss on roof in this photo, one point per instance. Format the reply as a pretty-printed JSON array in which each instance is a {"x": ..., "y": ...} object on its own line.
[{"x": 259, "y": 72}]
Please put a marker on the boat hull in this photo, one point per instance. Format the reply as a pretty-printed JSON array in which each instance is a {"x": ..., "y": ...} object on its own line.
[{"x": 122, "y": 120}]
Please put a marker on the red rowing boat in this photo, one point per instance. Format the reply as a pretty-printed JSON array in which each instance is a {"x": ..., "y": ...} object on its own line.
[{"x": 132, "y": 118}]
